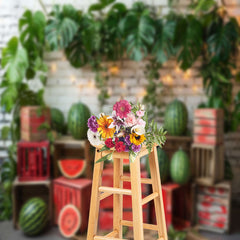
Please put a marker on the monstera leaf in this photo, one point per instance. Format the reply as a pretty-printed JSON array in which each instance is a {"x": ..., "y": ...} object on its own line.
[
  {"x": 163, "y": 44},
  {"x": 188, "y": 37},
  {"x": 8, "y": 97},
  {"x": 31, "y": 27},
  {"x": 100, "y": 5},
  {"x": 61, "y": 27},
  {"x": 138, "y": 29},
  {"x": 14, "y": 61}
]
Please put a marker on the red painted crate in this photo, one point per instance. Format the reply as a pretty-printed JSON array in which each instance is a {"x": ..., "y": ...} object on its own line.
[
  {"x": 33, "y": 163},
  {"x": 72, "y": 191},
  {"x": 32, "y": 117},
  {"x": 107, "y": 180},
  {"x": 177, "y": 205},
  {"x": 106, "y": 218},
  {"x": 208, "y": 126}
]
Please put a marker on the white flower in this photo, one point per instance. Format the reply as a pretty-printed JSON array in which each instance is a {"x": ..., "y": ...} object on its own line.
[
  {"x": 138, "y": 129},
  {"x": 94, "y": 138}
]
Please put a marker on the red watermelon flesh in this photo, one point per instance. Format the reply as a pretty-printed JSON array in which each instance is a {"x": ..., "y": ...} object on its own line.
[
  {"x": 72, "y": 168},
  {"x": 69, "y": 221}
]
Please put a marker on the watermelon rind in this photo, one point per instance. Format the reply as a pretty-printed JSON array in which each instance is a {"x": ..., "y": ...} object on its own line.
[
  {"x": 78, "y": 116},
  {"x": 65, "y": 208},
  {"x": 176, "y": 118},
  {"x": 57, "y": 120},
  {"x": 68, "y": 175},
  {"x": 164, "y": 165},
  {"x": 180, "y": 167},
  {"x": 33, "y": 216}
]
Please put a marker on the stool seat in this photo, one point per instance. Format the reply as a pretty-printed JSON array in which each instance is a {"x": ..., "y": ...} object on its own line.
[{"x": 100, "y": 192}]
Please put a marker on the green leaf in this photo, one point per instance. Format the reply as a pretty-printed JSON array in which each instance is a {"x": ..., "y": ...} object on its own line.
[
  {"x": 106, "y": 157},
  {"x": 139, "y": 34},
  {"x": 5, "y": 131},
  {"x": 204, "y": 5},
  {"x": 14, "y": 61},
  {"x": 104, "y": 148},
  {"x": 132, "y": 156},
  {"x": 188, "y": 37},
  {"x": 8, "y": 97},
  {"x": 61, "y": 29}
]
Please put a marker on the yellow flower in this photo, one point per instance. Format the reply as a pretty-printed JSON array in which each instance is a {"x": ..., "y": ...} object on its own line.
[
  {"x": 137, "y": 139},
  {"x": 103, "y": 127}
]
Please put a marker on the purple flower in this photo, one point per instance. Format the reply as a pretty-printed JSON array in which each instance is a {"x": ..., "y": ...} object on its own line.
[
  {"x": 127, "y": 140},
  {"x": 92, "y": 124},
  {"x": 126, "y": 148},
  {"x": 136, "y": 148}
]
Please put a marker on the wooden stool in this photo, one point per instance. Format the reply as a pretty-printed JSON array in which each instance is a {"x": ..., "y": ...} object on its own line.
[{"x": 100, "y": 192}]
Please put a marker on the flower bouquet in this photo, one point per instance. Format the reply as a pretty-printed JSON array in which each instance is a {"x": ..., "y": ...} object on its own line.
[{"x": 126, "y": 130}]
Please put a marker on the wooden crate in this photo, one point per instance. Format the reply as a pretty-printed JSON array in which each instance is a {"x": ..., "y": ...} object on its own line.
[
  {"x": 33, "y": 162},
  {"x": 23, "y": 191},
  {"x": 32, "y": 117},
  {"x": 177, "y": 202},
  {"x": 208, "y": 163},
  {"x": 68, "y": 148},
  {"x": 208, "y": 126},
  {"x": 212, "y": 206},
  {"x": 72, "y": 191}
]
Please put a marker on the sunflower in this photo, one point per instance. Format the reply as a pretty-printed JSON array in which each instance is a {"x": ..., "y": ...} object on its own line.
[
  {"x": 137, "y": 139},
  {"x": 103, "y": 127}
]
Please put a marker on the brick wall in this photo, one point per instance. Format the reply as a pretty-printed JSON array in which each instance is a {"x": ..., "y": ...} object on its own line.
[{"x": 67, "y": 85}]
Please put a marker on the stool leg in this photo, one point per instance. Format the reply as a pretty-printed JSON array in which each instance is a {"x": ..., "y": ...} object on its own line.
[
  {"x": 94, "y": 207},
  {"x": 158, "y": 202},
  {"x": 136, "y": 199},
  {"x": 117, "y": 198}
]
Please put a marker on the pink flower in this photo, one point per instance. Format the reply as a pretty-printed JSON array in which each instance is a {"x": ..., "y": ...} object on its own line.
[
  {"x": 141, "y": 122},
  {"x": 122, "y": 108},
  {"x": 120, "y": 147},
  {"x": 140, "y": 113},
  {"x": 130, "y": 120}
]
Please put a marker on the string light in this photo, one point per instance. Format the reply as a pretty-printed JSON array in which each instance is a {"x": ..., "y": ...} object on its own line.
[
  {"x": 73, "y": 79},
  {"x": 114, "y": 70},
  {"x": 168, "y": 79},
  {"x": 187, "y": 74},
  {"x": 195, "y": 88},
  {"x": 53, "y": 67},
  {"x": 178, "y": 69},
  {"x": 91, "y": 84},
  {"x": 123, "y": 84}
]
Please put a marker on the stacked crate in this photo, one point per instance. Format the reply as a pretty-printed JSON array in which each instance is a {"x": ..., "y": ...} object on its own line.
[
  {"x": 106, "y": 205},
  {"x": 211, "y": 207},
  {"x": 33, "y": 161},
  {"x": 207, "y": 148},
  {"x": 72, "y": 191}
]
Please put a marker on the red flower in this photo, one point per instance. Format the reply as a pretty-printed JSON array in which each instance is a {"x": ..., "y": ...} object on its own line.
[
  {"x": 120, "y": 147},
  {"x": 109, "y": 143}
]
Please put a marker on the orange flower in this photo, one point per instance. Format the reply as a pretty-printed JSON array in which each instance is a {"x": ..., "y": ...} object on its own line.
[{"x": 104, "y": 122}]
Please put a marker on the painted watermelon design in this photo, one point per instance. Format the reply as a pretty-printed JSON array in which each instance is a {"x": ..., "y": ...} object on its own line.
[
  {"x": 126, "y": 165},
  {"x": 69, "y": 221},
  {"x": 33, "y": 216},
  {"x": 175, "y": 118},
  {"x": 163, "y": 162},
  {"x": 77, "y": 120},
  {"x": 180, "y": 167},
  {"x": 72, "y": 168},
  {"x": 57, "y": 120}
]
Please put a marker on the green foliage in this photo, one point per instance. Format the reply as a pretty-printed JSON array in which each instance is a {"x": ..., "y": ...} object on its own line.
[
  {"x": 62, "y": 26},
  {"x": 5, "y": 131},
  {"x": 188, "y": 38},
  {"x": 14, "y": 61},
  {"x": 176, "y": 235},
  {"x": 138, "y": 31}
]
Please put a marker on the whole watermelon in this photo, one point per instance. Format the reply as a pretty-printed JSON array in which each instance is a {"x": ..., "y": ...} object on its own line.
[
  {"x": 77, "y": 120},
  {"x": 180, "y": 167},
  {"x": 175, "y": 118},
  {"x": 163, "y": 162},
  {"x": 57, "y": 120},
  {"x": 33, "y": 216}
]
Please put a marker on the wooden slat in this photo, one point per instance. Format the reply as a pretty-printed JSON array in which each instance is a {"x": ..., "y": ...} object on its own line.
[
  {"x": 143, "y": 180},
  {"x": 106, "y": 238},
  {"x": 115, "y": 190},
  {"x": 111, "y": 234},
  {"x": 149, "y": 198},
  {"x": 145, "y": 225},
  {"x": 104, "y": 195}
]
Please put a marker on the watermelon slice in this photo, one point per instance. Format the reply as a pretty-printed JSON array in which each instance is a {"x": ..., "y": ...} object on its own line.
[
  {"x": 72, "y": 168},
  {"x": 69, "y": 221}
]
